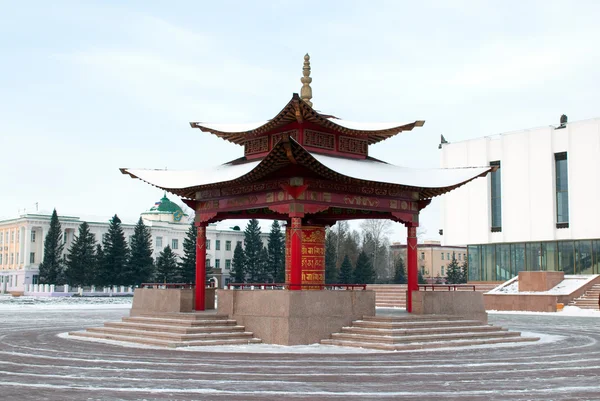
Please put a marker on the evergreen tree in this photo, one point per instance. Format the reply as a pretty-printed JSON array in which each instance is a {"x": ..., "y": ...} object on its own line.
[
  {"x": 166, "y": 266},
  {"x": 93, "y": 273},
  {"x": 276, "y": 250},
  {"x": 187, "y": 266},
  {"x": 238, "y": 265},
  {"x": 114, "y": 263},
  {"x": 363, "y": 272},
  {"x": 399, "y": 272},
  {"x": 438, "y": 279},
  {"x": 346, "y": 272},
  {"x": 51, "y": 268},
  {"x": 253, "y": 245},
  {"x": 140, "y": 268},
  {"x": 421, "y": 279},
  {"x": 330, "y": 258},
  {"x": 464, "y": 270},
  {"x": 454, "y": 275},
  {"x": 264, "y": 273},
  {"x": 81, "y": 259}
]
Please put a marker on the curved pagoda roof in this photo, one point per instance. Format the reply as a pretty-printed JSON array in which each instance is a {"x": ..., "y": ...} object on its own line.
[
  {"x": 427, "y": 182},
  {"x": 297, "y": 110}
]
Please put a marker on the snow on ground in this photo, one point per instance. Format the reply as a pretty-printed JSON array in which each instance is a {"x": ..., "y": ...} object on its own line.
[
  {"x": 571, "y": 283},
  {"x": 46, "y": 303},
  {"x": 567, "y": 311}
]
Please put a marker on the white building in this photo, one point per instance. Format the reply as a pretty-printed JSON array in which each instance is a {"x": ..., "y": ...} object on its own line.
[
  {"x": 538, "y": 211},
  {"x": 22, "y": 240}
]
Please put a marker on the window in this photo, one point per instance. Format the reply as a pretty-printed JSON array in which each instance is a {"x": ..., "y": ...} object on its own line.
[
  {"x": 12, "y": 258},
  {"x": 217, "y": 263},
  {"x": 442, "y": 270},
  {"x": 228, "y": 245},
  {"x": 207, "y": 244},
  {"x": 175, "y": 244},
  {"x": 448, "y": 256},
  {"x": 562, "y": 190},
  {"x": 228, "y": 261},
  {"x": 32, "y": 257},
  {"x": 32, "y": 236},
  {"x": 207, "y": 263},
  {"x": 65, "y": 237},
  {"x": 12, "y": 237},
  {"x": 422, "y": 255},
  {"x": 496, "y": 185},
  {"x": 217, "y": 245},
  {"x": 1, "y": 237},
  {"x": 459, "y": 256},
  {"x": 159, "y": 242},
  {"x": 0, "y": 258},
  {"x": 442, "y": 255}
]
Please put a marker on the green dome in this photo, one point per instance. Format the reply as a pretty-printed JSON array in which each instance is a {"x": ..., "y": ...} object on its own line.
[{"x": 166, "y": 206}]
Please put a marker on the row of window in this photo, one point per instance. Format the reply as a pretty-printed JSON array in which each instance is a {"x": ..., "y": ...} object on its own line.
[
  {"x": 159, "y": 243},
  {"x": 459, "y": 256},
  {"x": 501, "y": 262},
  {"x": 218, "y": 263},
  {"x": 218, "y": 245},
  {"x": 561, "y": 177}
]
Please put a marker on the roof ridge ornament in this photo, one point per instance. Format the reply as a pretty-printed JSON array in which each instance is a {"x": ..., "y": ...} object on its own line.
[{"x": 306, "y": 91}]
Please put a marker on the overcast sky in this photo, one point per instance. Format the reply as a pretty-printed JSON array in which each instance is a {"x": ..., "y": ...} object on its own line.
[{"x": 87, "y": 87}]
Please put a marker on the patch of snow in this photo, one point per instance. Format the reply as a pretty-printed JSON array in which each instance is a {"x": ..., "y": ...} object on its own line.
[
  {"x": 567, "y": 311},
  {"x": 570, "y": 284},
  {"x": 61, "y": 303}
]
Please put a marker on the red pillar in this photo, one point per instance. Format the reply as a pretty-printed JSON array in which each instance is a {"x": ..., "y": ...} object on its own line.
[
  {"x": 411, "y": 266},
  {"x": 200, "y": 267},
  {"x": 296, "y": 253}
]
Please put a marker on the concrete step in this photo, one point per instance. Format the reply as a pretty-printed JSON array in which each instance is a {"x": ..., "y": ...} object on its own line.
[
  {"x": 412, "y": 325},
  {"x": 419, "y": 331},
  {"x": 185, "y": 316},
  {"x": 172, "y": 329},
  {"x": 429, "y": 345},
  {"x": 165, "y": 343},
  {"x": 170, "y": 336},
  {"x": 422, "y": 338},
  {"x": 181, "y": 322},
  {"x": 411, "y": 318}
]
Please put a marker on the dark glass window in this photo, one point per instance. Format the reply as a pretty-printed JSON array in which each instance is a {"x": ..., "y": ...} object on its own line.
[
  {"x": 549, "y": 256},
  {"x": 474, "y": 258},
  {"x": 517, "y": 257},
  {"x": 496, "y": 197},
  {"x": 562, "y": 190},
  {"x": 583, "y": 255},
  {"x": 566, "y": 257},
  {"x": 596, "y": 258},
  {"x": 503, "y": 262}
]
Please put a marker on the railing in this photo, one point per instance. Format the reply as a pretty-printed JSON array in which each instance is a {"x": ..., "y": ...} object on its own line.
[
  {"x": 167, "y": 285},
  {"x": 449, "y": 287},
  {"x": 284, "y": 286}
]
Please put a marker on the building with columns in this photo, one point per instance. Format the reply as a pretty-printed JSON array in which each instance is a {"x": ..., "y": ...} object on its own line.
[
  {"x": 432, "y": 258},
  {"x": 22, "y": 240},
  {"x": 537, "y": 211}
]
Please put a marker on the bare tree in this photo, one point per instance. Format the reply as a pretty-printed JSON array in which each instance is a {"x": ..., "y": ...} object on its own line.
[{"x": 377, "y": 230}]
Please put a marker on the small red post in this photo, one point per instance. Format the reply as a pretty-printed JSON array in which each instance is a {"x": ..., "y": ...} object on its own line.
[
  {"x": 296, "y": 253},
  {"x": 200, "y": 267},
  {"x": 411, "y": 265}
]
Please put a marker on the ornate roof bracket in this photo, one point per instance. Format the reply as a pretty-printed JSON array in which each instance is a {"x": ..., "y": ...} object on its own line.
[
  {"x": 287, "y": 146},
  {"x": 297, "y": 109}
]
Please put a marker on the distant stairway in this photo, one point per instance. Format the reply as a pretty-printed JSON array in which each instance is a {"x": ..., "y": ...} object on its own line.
[
  {"x": 394, "y": 295},
  {"x": 589, "y": 300},
  {"x": 413, "y": 332},
  {"x": 173, "y": 330}
]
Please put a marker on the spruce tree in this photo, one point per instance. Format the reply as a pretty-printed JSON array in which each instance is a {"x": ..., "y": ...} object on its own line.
[
  {"x": 166, "y": 266},
  {"x": 346, "y": 272},
  {"x": 81, "y": 259},
  {"x": 421, "y": 279},
  {"x": 113, "y": 270},
  {"x": 363, "y": 272},
  {"x": 399, "y": 272},
  {"x": 264, "y": 274},
  {"x": 464, "y": 270},
  {"x": 93, "y": 274},
  {"x": 454, "y": 274},
  {"x": 187, "y": 265},
  {"x": 238, "y": 265},
  {"x": 276, "y": 250},
  {"x": 253, "y": 245},
  {"x": 140, "y": 268},
  {"x": 330, "y": 258},
  {"x": 51, "y": 268}
]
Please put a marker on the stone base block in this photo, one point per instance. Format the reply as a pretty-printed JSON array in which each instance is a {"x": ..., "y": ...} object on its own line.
[
  {"x": 295, "y": 317},
  {"x": 152, "y": 300},
  {"x": 539, "y": 281},
  {"x": 468, "y": 304},
  {"x": 521, "y": 302}
]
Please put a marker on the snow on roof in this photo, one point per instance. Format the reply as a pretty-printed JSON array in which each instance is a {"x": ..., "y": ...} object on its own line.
[
  {"x": 372, "y": 170},
  {"x": 233, "y": 128},
  {"x": 175, "y": 179},
  {"x": 360, "y": 126}
]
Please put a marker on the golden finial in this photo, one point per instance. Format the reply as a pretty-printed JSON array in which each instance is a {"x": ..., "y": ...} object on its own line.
[{"x": 306, "y": 91}]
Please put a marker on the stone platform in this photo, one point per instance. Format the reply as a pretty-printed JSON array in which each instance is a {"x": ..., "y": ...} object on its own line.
[{"x": 295, "y": 317}]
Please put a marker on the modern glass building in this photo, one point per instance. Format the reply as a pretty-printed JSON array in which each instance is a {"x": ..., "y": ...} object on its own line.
[{"x": 537, "y": 211}]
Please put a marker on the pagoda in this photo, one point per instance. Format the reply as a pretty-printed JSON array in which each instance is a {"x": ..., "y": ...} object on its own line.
[{"x": 311, "y": 170}]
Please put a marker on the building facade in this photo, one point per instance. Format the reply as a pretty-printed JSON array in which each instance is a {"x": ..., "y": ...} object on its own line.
[
  {"x": 22, "y": 241},
  {"x": 538, "y": 209},
  {"x": 432, "y": 258}
]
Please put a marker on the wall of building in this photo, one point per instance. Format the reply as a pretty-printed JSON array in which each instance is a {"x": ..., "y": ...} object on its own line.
[
  {"x": 432, "y": 258},
  {"x": 528, "y": 186}
]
